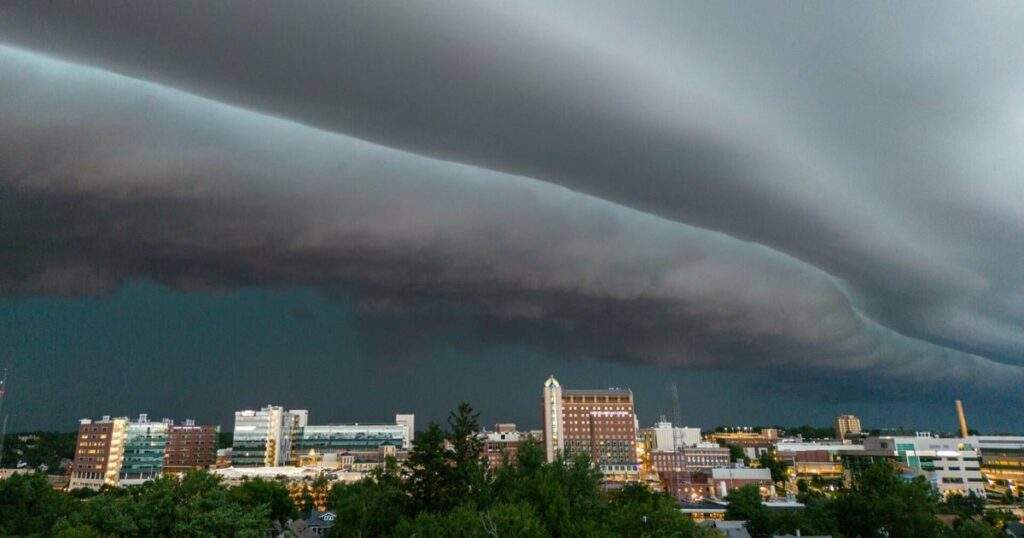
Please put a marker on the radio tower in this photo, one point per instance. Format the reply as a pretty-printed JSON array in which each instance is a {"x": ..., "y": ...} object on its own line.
[
  {"x": 677, "y": 416},
  {"x": 3, "y": 417}
]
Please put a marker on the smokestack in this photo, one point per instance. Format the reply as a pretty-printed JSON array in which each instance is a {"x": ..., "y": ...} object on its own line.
[{"x": 963, "y": 421}]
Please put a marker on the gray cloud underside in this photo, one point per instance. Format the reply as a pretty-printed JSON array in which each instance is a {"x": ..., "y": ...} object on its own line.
[
  {"x": 104, "y": 178},
  {"x": 877, "y": 142}
]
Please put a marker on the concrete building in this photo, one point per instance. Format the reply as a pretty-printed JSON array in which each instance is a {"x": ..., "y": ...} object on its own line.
[
  {"x": 754, "y": 445},
  {"x": 727, "y": 479},
  {"x": 328, "y": 442},
  {"x": 502, "y": 443},
  {"x": 263, "y": 438},
  {"x": 190, "y": 446},
  {"x": 811, "y": 461},
  {"x": 846, "y": 424},
  {"x": 99, "y": 453},
  {"x": 600, "y": 423},
  {"x": 952, "y": 465},
  {"x": 1002, "y": 462},
  {"x": 668, "y": 437},
  {"x": 685, "y": 473}
]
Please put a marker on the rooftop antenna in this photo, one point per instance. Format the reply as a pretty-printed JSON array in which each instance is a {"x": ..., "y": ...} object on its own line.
[{"x": 677, "y": 415}]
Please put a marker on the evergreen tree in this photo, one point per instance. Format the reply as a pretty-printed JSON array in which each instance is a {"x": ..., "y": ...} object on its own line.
[
  {"x": 429, "y": 472},
  {"x": 466, "y": 479}
]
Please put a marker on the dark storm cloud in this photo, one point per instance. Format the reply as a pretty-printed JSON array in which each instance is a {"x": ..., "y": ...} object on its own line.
[
  {"x": 876, "y": 142},
  {"x": 105, "y": 178}
]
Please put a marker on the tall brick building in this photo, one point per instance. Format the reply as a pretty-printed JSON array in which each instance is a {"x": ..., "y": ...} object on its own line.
[
  {"x": 600, "y": 423},
  {"x": 190, "y": 446}
]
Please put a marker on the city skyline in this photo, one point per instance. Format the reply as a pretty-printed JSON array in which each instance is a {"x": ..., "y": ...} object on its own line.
[{"x": 789, "y": 212}]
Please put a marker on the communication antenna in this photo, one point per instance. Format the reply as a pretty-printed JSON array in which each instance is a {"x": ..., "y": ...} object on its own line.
[
  {"x": 3, "y": 417},
  {"x": 677, "y": 415}
]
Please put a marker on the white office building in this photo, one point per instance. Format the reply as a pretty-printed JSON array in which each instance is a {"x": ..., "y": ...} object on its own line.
[
  {"x": 952, "y": 465},
  {"x": 263, "y": 438},
  {"x": 669, "y": 438}
]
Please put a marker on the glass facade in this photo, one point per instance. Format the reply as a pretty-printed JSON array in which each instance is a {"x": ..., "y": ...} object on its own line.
[
  {"x": 249, "y": 445},
  {"x": 144, "y": 450},
  {"x": 353, "y": 437}
]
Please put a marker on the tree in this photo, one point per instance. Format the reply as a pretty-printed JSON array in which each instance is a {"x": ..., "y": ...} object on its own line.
[
  {"x": 466, "y": 480},
  {"x": 197, "y": 505},
  {"x": 371, "y": 507},
  {"x": 961, "y": 505},
  {"x": 429, "y": 471},
  {"x": 775, "y": 465},
  {"x": 637, "y": 511},
  {"x": 745, "y": 504},
  {"x": 737, "y": 454},
  {"x": 272, "y": 495},
  {"x": 881, "y": 501},
  {"x": 29, "y": 505}
]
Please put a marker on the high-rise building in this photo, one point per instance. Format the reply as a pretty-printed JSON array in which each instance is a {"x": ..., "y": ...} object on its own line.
[
  {"x": 846, "y": 424},
  {"x": 190, "y": 446},
  {"x": 264, "y": 438},
  {"x": 99, "y": 452},
  {"x": 599, "y": 423},
  {"x": 144, "y": 443},
  {"x": 121, "y": 452}
]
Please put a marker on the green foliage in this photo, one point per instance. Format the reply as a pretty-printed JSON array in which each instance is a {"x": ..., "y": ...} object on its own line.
[
  {"x": 810, "y": 432},
  {"x": 29, "y": 505},
  {"x": 197, "y": 505},
  {"x": 964, "y": 506},
  {"x": 370, "y": 507},
  {"x": 466, "y": 479},
  {"x": 775, "y": 465},
  {"x": 881, "y": 501},
  {"x": 225, "y": 439},
  {"x": 642, "y": 512},
  {"x": 39, "y": 450},
  {"x": 449, "y": 492},
  {"x": 428, "y": 470},
  {"x": 745, "y": 503},
  {"x": 270, "y": 495},
  {"x": 737, "y": 454}
]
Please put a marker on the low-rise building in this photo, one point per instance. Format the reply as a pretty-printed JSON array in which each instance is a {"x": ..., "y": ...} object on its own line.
[
  {"x": 502, "y": 444},
  {"x": 1002, "y": 462},
  {"x": 727, "y": 479},
  {"x": 952, "y": 465}
]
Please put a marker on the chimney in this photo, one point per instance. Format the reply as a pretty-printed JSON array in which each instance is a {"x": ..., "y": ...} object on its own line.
[{"x": 963, "y": 421}]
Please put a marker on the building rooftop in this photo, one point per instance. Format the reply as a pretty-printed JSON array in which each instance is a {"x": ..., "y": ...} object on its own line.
[
  {"x": 598, "y": 392},
  {"x": 741, "y": 474}
]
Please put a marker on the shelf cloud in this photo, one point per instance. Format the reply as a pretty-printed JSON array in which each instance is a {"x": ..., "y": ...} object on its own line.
[{"x": 106, "y": 177}]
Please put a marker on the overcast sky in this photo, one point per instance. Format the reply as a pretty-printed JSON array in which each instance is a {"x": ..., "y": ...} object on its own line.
[{"x": 791, "y": 209}]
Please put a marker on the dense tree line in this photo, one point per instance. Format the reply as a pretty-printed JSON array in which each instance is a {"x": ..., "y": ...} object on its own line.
[
  {"x": 196, "y": 505},
  {"x": 38, "y": 450}
]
